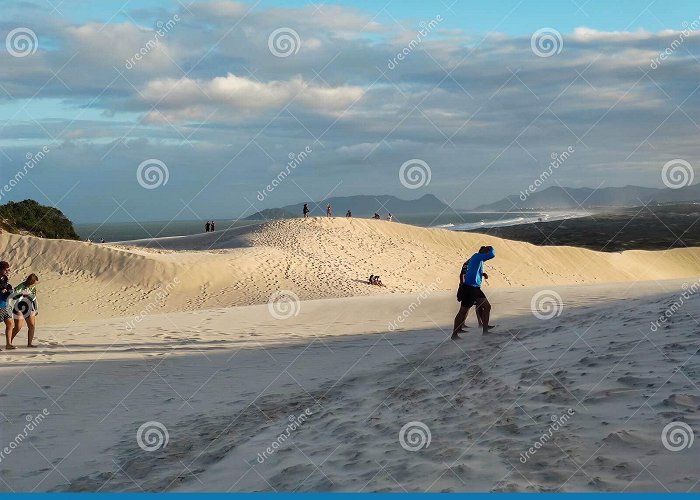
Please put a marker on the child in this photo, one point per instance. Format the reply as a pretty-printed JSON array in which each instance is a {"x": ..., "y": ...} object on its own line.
[{"x": 26, "y": 307}]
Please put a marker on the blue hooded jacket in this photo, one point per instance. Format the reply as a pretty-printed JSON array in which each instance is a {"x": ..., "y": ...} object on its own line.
[{"x": 476, "y": 268}]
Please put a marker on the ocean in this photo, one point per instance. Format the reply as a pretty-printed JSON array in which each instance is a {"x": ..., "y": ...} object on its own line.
[{"x": 456, "y": 221}]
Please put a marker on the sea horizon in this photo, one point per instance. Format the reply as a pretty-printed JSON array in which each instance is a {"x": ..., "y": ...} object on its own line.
[{"x": 454, "y": 221}]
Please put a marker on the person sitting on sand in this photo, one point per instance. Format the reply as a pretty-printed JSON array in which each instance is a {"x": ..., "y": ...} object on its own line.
[
  {"x": 26, "y": 307},
  {"x": 378, "y": 281},
  {"x": 5, "y": 292},
  {"x": 376, "y": 216},
  {"x": 348, "y": 214},
  {"x": 471, "y": 293},
  {"x": 371, "y": 279},
  {"x": 306, "y": 210}
]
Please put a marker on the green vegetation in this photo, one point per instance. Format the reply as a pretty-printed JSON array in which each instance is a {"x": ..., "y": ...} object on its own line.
[{"x": 30, "y": 217}]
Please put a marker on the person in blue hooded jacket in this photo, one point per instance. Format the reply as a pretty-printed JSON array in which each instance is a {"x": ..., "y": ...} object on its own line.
[{"x": 470, "y": 293}]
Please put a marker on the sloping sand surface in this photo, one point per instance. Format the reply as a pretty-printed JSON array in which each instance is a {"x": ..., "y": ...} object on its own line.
[
  {"x": 225, "y": 383},
  {"x": 315, "y": 258},
  {"x": 145, "y": 334}
]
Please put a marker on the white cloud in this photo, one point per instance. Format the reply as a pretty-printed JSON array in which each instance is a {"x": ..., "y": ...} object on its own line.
[
  {"x": 458, "y": 101},
  {"x": 191, "y": 99}
]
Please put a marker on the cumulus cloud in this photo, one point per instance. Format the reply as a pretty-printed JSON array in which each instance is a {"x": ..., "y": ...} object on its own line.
[{"x": 190, "y": 99}]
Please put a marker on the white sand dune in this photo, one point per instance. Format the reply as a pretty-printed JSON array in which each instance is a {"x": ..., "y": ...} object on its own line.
[
  {"x": 225, "y": 380},
  {"x": 315, "y": 258}
]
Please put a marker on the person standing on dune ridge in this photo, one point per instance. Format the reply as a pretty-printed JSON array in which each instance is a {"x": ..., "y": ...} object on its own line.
[
  {"x": 470, "y": 294},
  {"x": 329, "y": 211},
  {"x": 306, "y": 210}
]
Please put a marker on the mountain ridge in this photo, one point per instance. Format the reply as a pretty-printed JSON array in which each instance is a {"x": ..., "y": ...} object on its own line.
[
  {"x": 360, "y": 206},
  {"x": 557, "y": 197}
]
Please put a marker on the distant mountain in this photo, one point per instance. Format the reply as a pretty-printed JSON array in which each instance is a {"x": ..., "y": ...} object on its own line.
[
  {"x": 271, "y": 214},
  {"x": 556, "y": 197},
  {"x": 361, "y": 206}
]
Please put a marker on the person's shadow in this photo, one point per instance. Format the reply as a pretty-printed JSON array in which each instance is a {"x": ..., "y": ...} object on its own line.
[{"x": 366, "y": 282}]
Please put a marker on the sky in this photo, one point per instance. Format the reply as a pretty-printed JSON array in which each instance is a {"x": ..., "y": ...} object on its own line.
[{"x": 187, "y": 109}]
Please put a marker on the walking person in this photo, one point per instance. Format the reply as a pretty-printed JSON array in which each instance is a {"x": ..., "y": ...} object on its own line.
[
  {"x": 460, "y": 291},
  {"x": 470, "y": 294},
  {"x": 306, "y": 210},
  {"x": 5, "y": 292},
  {"x": 26, "y": 308}
]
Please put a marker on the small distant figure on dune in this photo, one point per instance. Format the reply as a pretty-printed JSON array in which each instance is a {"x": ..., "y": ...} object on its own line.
[
  {"x": 102, "y": 240},
  {"x": 348, "y": 214},
  {"x": 376, "y": 216},
  {"x": 329, "y": 211},
  {"x": 470, "y": 294},
  {"x": 207, "y": 227},
  {"x": 5, "y": 292},
  {"x": 26, "y": 308},
  {"x": 306, "y": 210},
  {"x": 213, "y": 226},
  {"x": 374, "y": 280},
  {"x": 390, "y": 218}
]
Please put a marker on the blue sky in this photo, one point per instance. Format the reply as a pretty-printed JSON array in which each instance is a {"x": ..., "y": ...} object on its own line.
[
  {"x": 472, "y": 16},
  {"x": 210, "y": 99}
]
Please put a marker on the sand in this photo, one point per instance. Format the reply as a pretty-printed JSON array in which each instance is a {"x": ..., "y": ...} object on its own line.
[
  {"x": 223, "y": 372},
  {"x": 315, "y": 258}
]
